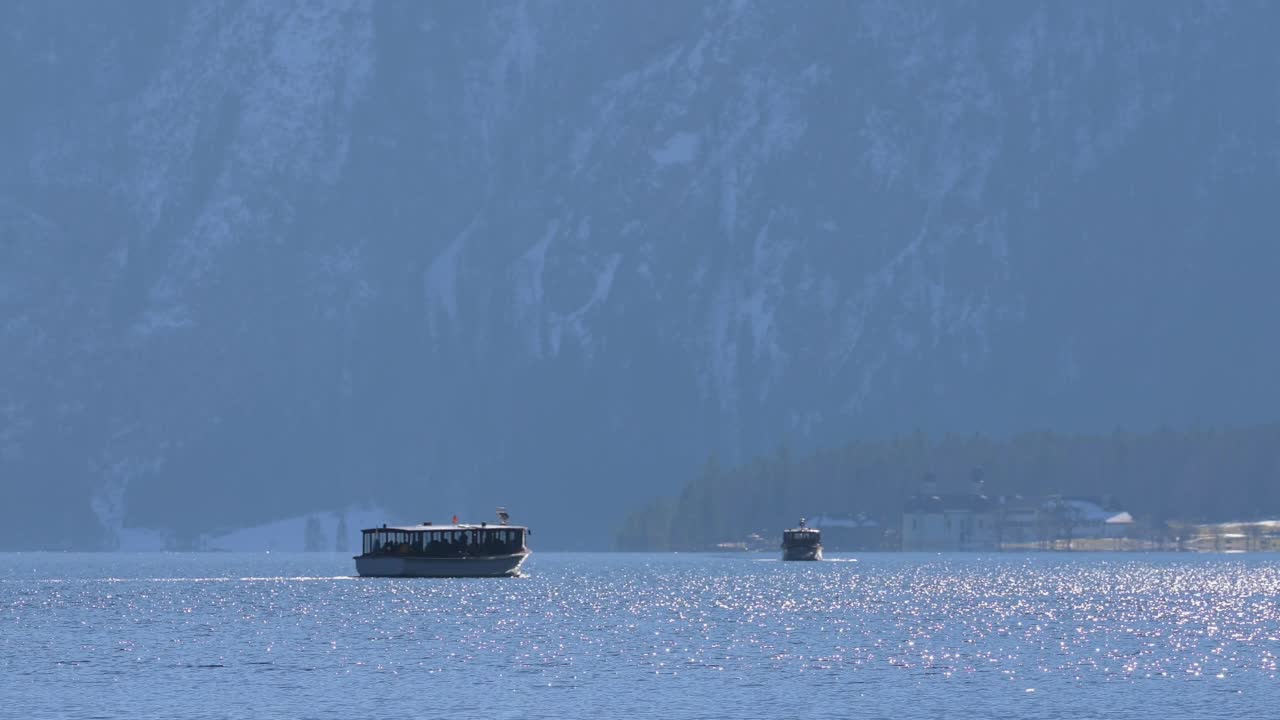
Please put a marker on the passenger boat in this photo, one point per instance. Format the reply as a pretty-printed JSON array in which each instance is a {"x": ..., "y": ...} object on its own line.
[
  {"x": 453, "y": 550},
  {"x": 802, "y": 543}
]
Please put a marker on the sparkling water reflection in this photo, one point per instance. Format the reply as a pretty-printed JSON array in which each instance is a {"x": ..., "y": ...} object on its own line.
[{"x": 895, "y": 636}]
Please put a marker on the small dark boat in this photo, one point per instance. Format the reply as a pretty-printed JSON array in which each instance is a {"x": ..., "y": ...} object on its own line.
[{"x": 802, "y": 543}]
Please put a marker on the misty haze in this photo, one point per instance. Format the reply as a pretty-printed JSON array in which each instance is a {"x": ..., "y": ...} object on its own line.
[
  {"x": 998, "y": 278},
  {"x": 262, "y": 260}
]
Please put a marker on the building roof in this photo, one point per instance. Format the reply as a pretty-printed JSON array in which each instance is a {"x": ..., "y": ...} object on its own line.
[
  {"x": 941, "y": 503},
  {"x": 1090, "y": 510},
  {"x": 428, "y": 528},
  {"x": 843, "y": 521}
]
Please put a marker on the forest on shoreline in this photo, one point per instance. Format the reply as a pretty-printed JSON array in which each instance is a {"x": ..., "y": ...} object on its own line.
[{"x": 1162, "y": 476}]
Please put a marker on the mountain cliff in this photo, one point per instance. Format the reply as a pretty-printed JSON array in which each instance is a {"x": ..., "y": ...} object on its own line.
[{"x": 265, "y": 258}]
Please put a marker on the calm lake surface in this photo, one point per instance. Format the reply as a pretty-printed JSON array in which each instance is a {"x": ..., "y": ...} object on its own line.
[{"x": 732, "y": 636}]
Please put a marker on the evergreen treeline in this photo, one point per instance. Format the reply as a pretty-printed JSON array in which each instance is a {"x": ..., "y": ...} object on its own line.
[{"x": 1193, "y": 475}]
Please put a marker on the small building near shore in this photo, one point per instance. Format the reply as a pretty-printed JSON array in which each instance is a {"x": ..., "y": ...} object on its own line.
[
  {"x": 936, "y": 522},
  {"x": 1087, "y": 517}
]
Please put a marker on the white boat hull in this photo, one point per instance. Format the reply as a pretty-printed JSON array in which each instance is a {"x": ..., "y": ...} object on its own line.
[{"x": 424, "y": 567}]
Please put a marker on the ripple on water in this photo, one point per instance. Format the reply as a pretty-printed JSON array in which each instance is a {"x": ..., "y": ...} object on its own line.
[{"x": 899, "y": 634}]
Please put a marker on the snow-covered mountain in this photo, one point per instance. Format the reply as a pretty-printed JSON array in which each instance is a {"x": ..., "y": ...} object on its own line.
[{"x": 259, "y": 259}]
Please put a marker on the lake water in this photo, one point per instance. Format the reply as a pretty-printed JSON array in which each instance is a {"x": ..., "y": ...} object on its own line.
[{"x": 620, "y": 635}]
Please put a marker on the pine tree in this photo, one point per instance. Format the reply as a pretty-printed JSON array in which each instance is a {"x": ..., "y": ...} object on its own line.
[
  {"x": 313, "y": 540},
  {"x": 340, "y": 537}
]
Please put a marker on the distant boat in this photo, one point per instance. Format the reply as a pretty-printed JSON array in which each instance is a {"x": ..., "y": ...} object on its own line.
[
  {"x": 802, "y": 543},
  {"x": 439, "y": 551}
]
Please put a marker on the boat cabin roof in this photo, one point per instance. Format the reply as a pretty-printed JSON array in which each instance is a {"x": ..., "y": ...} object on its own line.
[
  {"x": 430, "y": 528},
  {"x": 802, "y": 530}
]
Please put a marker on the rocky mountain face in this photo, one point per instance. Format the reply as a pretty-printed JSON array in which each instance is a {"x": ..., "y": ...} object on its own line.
[{"x": 265, "y": 258}]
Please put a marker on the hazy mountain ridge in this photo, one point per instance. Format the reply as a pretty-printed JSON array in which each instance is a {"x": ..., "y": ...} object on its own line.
[{"x": 517, "y": 253}]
